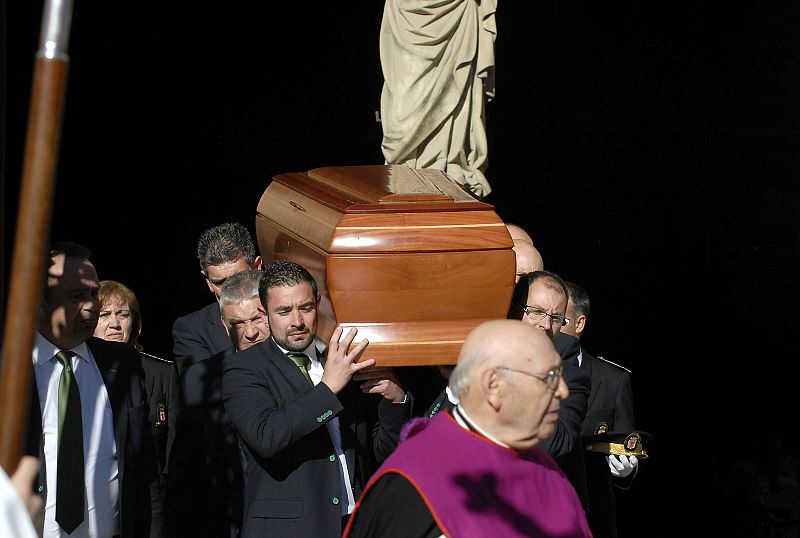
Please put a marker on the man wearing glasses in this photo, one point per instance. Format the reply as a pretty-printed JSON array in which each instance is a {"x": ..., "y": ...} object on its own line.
[
  {"x": 477, "y": 470},
  {"x": 540, "y": 299}
]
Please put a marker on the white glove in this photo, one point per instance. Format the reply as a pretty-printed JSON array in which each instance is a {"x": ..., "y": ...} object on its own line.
[{"x": 621, "y": 466}]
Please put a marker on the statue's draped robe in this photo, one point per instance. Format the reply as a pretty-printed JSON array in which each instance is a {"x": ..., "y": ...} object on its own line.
[{"x": 438, "y": 68}]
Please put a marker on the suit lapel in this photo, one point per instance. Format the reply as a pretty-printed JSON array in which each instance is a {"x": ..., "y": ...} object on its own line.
[
  {"x": 298, "y": 382},
  {"x": 280, "y": 362},
  {"x": 110, "y": 371},
  {"x": 218, "y": 333},
  {"x": 588, "y": 363}
]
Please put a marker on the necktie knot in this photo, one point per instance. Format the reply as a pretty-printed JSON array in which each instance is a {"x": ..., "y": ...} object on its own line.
[
  {"x": 302, "y": 361},
  {"x": 65, "y": 358}
]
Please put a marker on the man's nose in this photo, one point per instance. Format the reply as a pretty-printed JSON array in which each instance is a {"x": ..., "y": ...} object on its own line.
[
  {"x": 250, "y": 330},
  {"x": 297, "y": 318},
  {"x": 562, "y": 391}
]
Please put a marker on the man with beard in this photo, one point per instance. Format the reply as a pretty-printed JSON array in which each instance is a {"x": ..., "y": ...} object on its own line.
[{"x": 311, "y": 438}]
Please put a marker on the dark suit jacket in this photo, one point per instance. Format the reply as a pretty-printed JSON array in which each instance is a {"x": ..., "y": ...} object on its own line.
[
  {"x": 565, "y": 444},
  {"x": 293, "y": 484},
  {"x": 123, "y": 376},
  {"x": 611, "y": 403},
  {"x": 572, "y": 410},
  {"x": 206, "y": 482},
  {"x": 198, "y": 336},
  {"x": 163, "y": 397},
  {"x": 441, "y": 403}
]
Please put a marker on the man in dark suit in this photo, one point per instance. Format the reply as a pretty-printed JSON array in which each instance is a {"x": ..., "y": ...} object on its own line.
[
  {"x": 531, "y": 292},
  {"x": 207, "y": 460},
  {"x": 610, "y": 410},
  {"x": 222, "y": 251},
  {"x": 90, "y": 392},
  {"x": 540, "y": 298},
  {"x": 311, "y": 437}
]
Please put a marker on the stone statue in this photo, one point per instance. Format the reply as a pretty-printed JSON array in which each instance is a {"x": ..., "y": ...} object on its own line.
[{"x": 438, "y": 68}]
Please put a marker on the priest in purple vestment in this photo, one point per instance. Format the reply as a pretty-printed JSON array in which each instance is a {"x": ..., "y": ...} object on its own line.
[{"x": 476, "y": 470}]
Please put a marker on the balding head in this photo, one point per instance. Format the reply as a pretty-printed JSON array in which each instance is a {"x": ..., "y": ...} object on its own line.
[
  {"x": 528, "y": 259},
  {"x": 500, "y": 382},
  {"x": 518, "y": 234}
]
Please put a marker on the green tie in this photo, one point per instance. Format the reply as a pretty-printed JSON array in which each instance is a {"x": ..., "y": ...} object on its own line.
[
  {"x": 302, "y": 361},
  {"x": 70, "y": 488}
]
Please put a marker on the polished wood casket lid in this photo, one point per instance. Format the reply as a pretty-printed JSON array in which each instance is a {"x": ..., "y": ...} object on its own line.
[{"x": 407, "y": 256}]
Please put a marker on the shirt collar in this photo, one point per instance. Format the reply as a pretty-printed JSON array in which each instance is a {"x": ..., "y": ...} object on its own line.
[
  {"x": 310, "y": 351},
  {"x": 468, "y": 424},
  {"x": 44, "y": 350},
  {"x": 450, "y": 396}
]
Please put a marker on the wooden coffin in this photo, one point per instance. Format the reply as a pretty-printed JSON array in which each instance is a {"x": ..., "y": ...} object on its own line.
[{"x": 405, "y": 255}]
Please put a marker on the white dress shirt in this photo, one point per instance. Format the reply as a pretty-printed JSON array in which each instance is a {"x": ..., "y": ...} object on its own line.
[
  {"x": 101, "y": 472},
  {"x": 14, "y": 518}
]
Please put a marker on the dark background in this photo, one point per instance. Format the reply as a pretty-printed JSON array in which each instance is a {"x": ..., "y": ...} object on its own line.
[{"x": 651, "y": 150}]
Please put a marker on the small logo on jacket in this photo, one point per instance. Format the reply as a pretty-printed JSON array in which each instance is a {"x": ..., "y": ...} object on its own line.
[{"x": 162, "y": 414}]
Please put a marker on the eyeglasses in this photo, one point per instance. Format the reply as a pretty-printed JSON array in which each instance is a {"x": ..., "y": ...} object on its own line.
[
  {"x": 550, "y": 378},
  {"x": 536, "y": 313}
]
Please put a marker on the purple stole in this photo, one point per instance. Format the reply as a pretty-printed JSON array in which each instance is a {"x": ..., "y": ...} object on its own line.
[{"x": 474, "y": 487}]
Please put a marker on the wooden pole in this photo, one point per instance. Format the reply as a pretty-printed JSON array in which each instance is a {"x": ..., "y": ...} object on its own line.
[{"x": 33, "y": 227}]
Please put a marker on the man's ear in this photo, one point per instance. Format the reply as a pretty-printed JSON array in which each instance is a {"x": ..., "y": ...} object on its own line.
[
  {"x": 580, "y": 325},
  {"x": 264, "y": 315},
  {"x": 492, "y": 385},
  {"x": 257, "y": 263}
]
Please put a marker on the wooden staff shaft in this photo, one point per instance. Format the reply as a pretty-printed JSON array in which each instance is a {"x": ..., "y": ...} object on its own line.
[{"x": 32, "y": 235}]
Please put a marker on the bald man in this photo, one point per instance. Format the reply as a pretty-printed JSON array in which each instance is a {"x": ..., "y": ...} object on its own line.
[
  {"x": 518, "y": 233},
  {"x": 528, "y": 259},
  {"x": 476, "y": 470}
]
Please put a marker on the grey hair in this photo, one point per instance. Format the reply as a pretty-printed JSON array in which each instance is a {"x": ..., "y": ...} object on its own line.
[
  {"x": 239, "y": 287},
  {"x": 481, "y": 352}
]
